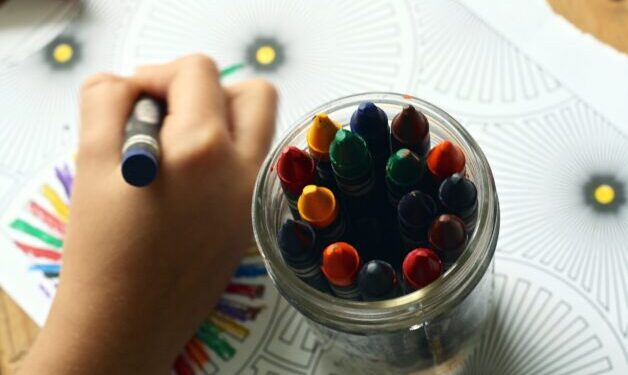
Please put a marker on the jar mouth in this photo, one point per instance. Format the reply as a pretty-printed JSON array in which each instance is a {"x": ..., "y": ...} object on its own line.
[{"x": 404, "y": 311}]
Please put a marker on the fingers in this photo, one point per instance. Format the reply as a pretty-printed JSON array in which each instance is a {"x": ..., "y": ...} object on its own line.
[
  {"x": 252, "y": 109},
  {"x": 197, "y": 122},
  {"x": 191, "y": 86},
  {"x": 106, "y": 101}
]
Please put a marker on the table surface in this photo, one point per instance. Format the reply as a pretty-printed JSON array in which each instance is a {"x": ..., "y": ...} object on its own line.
[{"x": 605, "y": 19}]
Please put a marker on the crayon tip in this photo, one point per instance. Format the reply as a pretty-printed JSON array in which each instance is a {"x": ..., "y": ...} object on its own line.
[
  {"x": 457, "y": 193},
  {"x": 320, "y": 135},
  {"x": 376, "y": 279},
  {"x": 447, "y": 234},
  {"x": 341, "y": 263},
  {"x": 404, "y": 168},
  {"x": 409, "y": 125},
  {"x": 349, "y": 154},
  {"x": 420, "y": 267},
  {"x": 369, "y": 121},
  {"x": 296, "y": 238},
  {"x": 317, "y": 206},
  {"x": 416, "y": 209},
  {"x": 139, "y": 167},
  {"x": 445, "y": 159},
  {"x": 295, "y": 169}
]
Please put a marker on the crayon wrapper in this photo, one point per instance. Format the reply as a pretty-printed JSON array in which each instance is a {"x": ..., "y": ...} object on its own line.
[{"x": 142, "y": 129}]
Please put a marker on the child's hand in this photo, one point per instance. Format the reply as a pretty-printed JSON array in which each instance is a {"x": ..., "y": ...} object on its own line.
[{"x": 143, "y": 266}]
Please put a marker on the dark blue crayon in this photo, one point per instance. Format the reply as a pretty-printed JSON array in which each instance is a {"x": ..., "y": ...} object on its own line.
[
  {"x": 459, "y": 196},
  {"x": 300, "y": 249},
  {"x": 140, "y": 152},
  {"x": 371, "y": 123},
  {"x": 378, "y": 281},
  {"x": 415, "y": 214},
  {"x": 250, "y": 270}
]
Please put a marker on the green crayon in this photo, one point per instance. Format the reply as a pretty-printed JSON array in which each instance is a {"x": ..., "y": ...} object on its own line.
[
  {"x": 352, "y": 165},
  {"x": 355, "y": 177},
  {"x": 404, "y": 172}
]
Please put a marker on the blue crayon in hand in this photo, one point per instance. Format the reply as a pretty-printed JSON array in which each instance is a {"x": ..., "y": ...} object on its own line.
[
  {"x": 302, "y": 253},
  {"x": 140, "y": 152}
]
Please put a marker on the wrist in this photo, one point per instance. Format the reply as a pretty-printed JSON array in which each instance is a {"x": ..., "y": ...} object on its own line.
[{"x": 82, "y": 340}]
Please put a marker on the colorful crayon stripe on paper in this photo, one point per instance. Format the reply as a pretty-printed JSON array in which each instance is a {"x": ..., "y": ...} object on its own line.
[
  {"x": 29, "y": 229},
  {"x": 63, "y": 210},
  {"x": 48, "y": 218}
]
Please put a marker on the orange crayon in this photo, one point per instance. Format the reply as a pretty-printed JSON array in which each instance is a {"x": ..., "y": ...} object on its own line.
[
  {"x": 445, "y": 159},
  {"x": 318, "y": 206},
  {"x": 341, "y": 264}
]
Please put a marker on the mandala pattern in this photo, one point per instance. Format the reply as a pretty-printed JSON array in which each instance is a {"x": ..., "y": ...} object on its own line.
[
  {"x": 537, "y": 330},
  {"x": 560, "y": 167},
  {"x": 555, "y": 172},
  {"x": 467, "y": 68},
  {"x": 39, "y": 96},
  {"x": 312, "y": 51},
  {"x": 27, "y": 25}
]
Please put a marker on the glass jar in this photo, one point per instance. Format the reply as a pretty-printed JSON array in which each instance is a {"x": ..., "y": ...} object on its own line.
[{"x": 428, "y": 331}]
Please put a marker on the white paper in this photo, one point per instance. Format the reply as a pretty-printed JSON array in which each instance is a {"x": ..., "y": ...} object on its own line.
[
  {"x": 593, "y": 71},
  {"x": 27, "y": 25},
  {"x": 549, "y": 129}
]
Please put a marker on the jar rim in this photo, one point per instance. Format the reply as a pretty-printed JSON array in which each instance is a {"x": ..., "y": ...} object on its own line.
[{"x": 403, "y": 311}]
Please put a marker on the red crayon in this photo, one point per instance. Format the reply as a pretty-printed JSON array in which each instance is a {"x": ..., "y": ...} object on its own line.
[
  {"x": 420, "y": 267},
  {"x": 295, "y": 169},
  {"x": 341, "y": 263},
  {"x": 448, "y": 237}
]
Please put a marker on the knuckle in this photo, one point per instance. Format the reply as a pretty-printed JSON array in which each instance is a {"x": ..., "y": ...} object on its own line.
[
  {"x": 96, "y": 80},
  {"x": 211, "y": 140},
  {"x": 202, "y": 62},
  {"x": 265, "y": 88},
  {"x": 200, "y": 148},
  {"x": 106, "y": 86}
]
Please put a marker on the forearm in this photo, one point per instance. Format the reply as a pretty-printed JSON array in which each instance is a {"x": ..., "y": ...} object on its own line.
[{"x": 84, "y": 341}]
